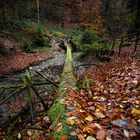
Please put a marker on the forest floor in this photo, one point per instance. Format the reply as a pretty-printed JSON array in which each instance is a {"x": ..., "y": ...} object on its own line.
[
  {"x": 108, "y": 104},
  {"x": 15, "y": 61},
  {"x": 111, "y": 100}
]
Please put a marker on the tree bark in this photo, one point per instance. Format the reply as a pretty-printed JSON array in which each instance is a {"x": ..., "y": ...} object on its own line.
[
  {"x": 38, "y": 11},
  {"x": 3, "y": 11}
]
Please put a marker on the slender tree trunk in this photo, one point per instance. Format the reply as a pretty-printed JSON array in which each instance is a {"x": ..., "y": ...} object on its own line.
[
  {"x": 38, "y": 11},
  {"x": 3, "y": 11},
  {"x": 137, "y": 15}
]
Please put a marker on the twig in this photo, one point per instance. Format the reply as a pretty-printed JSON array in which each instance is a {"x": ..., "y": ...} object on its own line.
[
  {"x": 46, "y": 79},
  {"x": 41, "y": 83},
  {"x": 2, "y": 94},
  {"x": 11, "y": 86},
  {"x": 86, "y": 65},
  {"x": 19, "y": 90},
  {"x": 36, "y": 128},
  {"x": 30, "y": 104}
]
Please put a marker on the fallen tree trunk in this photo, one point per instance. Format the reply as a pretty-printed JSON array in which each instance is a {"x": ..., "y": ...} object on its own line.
[{"x": 63, "y": 112}]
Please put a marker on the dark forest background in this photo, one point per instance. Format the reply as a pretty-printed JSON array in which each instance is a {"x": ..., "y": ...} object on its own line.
[{"x": 112, "y": 17}]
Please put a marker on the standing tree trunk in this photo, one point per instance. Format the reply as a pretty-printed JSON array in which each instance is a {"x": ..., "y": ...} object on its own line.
[
  {"x": 38, "y": 11},
  {"x": 3, "y": 11}
]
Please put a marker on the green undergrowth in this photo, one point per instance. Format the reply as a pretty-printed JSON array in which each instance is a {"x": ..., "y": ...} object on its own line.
[{"x": 28, "y": 36}]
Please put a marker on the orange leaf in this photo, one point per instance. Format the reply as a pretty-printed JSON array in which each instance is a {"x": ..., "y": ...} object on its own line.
[
  {"x": 63, "y": 138},
  {"x": 89, "y": 118},
  {"x": 77, "y": 121},
  {"x": 99, "y": 114},
  {"x": 100, "y": 135},
  {"x": 70, "y": 121},
  {"x": 81, "y": 126},
  {"x": 80, "y": 137},
  {"x": 73, "y": 133},
  {"x": 59, "y": 118},
  {"x": 59, "y": 127},
  {"x": 89, "y": 130}
]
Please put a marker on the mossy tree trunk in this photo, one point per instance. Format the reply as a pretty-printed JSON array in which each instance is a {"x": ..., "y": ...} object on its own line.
[{"x": 62, "y": 113}]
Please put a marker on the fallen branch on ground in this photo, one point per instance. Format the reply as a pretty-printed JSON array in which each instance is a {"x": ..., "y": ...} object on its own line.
[{"x": 47, "y": 79}]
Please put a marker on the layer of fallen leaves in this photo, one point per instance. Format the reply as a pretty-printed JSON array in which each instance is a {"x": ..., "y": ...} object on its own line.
[
  {"x": 110, "y": 107},
  {"x": 18, "y": 61}
]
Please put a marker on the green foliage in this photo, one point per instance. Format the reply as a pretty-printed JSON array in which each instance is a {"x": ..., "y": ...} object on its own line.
[
  {"x": 28, "y": 25},
  {"x": 86, "y": 81},
  {"x": 27, "y": 47},
  {"x": 89, "y": 37},
  {"x": 55, "y": 28},
  {"x": 74, "y": 38},
  {"x": 57, "y": 33},
  {"x": 40, "y": 39},
  {"x": 73, "y": 32},
  {"x": 90, "y": 40}
]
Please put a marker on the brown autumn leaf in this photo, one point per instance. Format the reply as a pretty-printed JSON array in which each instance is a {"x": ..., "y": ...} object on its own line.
[
  {"x": 80, "y": 137},
  {"x": 81, "y": 126},
  {"x": 59, "y": 118},
  {"x": 92, "y": 108},
  {"x": 77, "y": 121},
  {"x": 70, "y": 121},
  {"x": 63, "y": 137},
  {"x": 70, "y": 107},
  {"x": 78, "y": 106},
  {"x": 73, "y": 94},
  {"x": 135, "y": 112},
  {"x": 59, "y": 127},
  {"x": 89, "y": 118},
  {"x": 100, "y": 135},
  {"x": 90, "y": 103},
  {"x": 99, "y": 114},
  {"x": 73, "y": 133},
  {"x": 94, "y": 126},
  {"x": 39, "y": 137},
  {"x": 89, "y": 130},
  {"x": 72, "y": 113}
]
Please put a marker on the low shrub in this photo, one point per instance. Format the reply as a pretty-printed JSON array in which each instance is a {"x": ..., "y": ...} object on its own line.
[
  {"x": 27, "y": 47},
  {"x": 40, "y": 39},
  {"x": 87, "y": 37},
  {"x": 90, "y": 40}
]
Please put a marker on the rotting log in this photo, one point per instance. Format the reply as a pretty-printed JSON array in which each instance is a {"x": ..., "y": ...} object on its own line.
[{"x": 63, "y": 111}]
